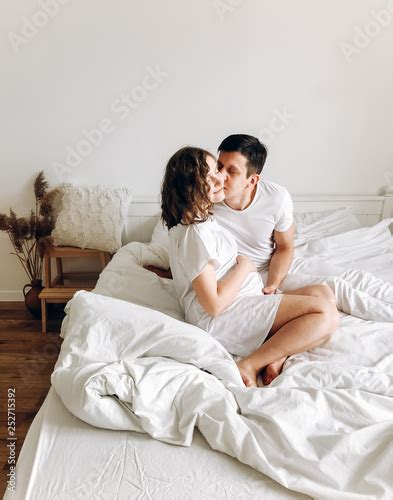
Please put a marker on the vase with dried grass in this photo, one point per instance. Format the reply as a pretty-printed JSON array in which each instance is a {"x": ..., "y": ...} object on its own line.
[{"x": 29, "y": 238}]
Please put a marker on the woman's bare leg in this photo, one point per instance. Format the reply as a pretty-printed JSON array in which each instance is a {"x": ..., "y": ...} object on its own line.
[
  {"x": 300, "y": 323},
  {"x": 323, "y": 291},
  {"x": 273, "y": 370}
]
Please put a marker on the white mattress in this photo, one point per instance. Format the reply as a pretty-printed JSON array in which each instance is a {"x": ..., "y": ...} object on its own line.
[{"x": 65, "y": 458}]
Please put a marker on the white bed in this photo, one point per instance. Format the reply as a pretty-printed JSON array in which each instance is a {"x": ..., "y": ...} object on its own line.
[
  {"x": 66, "y": 458},
  {"x": 70, "y": 459}
]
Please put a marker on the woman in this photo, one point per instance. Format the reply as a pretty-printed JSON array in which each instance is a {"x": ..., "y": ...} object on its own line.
[{"x": 220, "y": 291}]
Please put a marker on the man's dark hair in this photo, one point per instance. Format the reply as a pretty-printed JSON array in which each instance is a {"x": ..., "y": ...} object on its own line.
[{"x": 248, "y": 146}]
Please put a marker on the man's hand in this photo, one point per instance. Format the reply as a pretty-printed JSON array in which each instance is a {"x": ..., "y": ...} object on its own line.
[
  {"x": 281, "y": 259},
  {"x": 270, "y": 289}
]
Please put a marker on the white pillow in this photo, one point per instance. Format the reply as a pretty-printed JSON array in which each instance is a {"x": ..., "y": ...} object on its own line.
[
  {"x": 91, "y": 217},
  {"x": 309, "y": 226},
  {"x": 345, "y": 244}
]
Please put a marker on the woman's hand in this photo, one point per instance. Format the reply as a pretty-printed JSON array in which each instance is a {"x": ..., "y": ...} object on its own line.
[{"x": 246, "y": 262}]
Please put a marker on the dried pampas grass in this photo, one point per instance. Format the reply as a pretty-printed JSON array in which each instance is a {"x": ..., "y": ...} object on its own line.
[{"x": 31, "y": 236}]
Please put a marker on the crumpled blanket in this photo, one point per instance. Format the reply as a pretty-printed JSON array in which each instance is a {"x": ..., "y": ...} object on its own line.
[{"x": 323, "y": 427}]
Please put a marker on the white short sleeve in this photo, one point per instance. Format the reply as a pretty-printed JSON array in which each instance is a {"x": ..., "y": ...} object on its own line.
[
  {"x": 285, "y": 214},
  {"x": 197, "y": 249}
]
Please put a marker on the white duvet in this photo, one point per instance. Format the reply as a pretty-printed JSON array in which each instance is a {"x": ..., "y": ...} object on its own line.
[{"x": 324, "y": 427}]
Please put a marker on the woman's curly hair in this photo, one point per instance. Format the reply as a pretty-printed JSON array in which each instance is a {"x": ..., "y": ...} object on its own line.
[{"x": 184, "y": 189}]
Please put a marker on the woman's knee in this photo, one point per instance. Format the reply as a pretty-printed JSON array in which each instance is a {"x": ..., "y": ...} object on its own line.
[
  {"x": 335, "y": 318},
  {"x": 331, "y": 316},
  {"x": 320, "y": 305},
  {"x": 325, "y": 292},
  {"x": 329, "y": 294}
]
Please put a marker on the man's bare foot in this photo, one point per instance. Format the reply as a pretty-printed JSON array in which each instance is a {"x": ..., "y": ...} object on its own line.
[
  {"x": 248, "y": 373},
  {"x": 272, "y": 371}
]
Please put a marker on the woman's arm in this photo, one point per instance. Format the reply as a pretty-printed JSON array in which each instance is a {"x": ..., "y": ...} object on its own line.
[{"x": 214, "y": 296}]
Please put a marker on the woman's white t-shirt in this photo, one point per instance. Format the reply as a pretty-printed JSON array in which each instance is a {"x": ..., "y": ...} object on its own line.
[{"x": 191, "y": 248}]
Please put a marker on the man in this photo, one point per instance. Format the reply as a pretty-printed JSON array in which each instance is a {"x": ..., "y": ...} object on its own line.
[{"x": 258, "y": 212}]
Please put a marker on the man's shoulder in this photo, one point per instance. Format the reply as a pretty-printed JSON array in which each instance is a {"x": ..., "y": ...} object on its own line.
[
  {"x": 272, "y": 186},
  {"x": 272, "y": 191}
]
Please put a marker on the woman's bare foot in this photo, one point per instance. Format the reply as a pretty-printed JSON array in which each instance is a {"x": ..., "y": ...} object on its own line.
[
  {"x": 272, "y": 371},
  {"x": 248, "y": 373}
]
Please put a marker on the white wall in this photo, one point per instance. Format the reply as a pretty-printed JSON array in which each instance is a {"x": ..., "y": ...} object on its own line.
[{"x": 224, "y": 66}]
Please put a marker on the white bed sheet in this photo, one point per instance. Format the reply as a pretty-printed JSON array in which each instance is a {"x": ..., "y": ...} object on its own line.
[{"x": 64, "y": 458}]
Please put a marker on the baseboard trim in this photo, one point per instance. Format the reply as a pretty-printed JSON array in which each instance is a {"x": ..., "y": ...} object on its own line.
[{"x": 11, "y": 296}]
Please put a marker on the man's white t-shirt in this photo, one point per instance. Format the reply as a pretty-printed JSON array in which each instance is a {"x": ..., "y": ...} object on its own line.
[{"x": 270, "y": 210}]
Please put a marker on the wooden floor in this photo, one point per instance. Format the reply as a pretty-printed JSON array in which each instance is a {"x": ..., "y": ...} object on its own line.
[{"x": 27, "y": 358}]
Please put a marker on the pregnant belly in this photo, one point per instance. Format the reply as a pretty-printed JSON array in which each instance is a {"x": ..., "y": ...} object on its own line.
[
  {"x": 196, "y": 315},
  {"x": 252, "y": 285}
]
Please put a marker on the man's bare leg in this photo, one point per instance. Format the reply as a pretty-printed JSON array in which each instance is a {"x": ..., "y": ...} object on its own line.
[{"x": 300, "y": 322}]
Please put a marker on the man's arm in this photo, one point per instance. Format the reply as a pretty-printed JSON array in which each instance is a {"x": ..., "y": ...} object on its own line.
[{"x": 281, "y": 259}]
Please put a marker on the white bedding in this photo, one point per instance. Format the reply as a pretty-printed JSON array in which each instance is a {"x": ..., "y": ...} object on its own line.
[
  {"x": 323, "y": 428},
  {"x": 331, "y": 406},
  {"x": 326, "y": 411},
  {"x": 64, "y": 458}
]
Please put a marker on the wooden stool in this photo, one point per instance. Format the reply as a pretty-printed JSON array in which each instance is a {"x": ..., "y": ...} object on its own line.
[
  {"x": 59, "y": 253},
  {"x": 60, "y": 295},
  {"x": 55, "y": 292}
]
